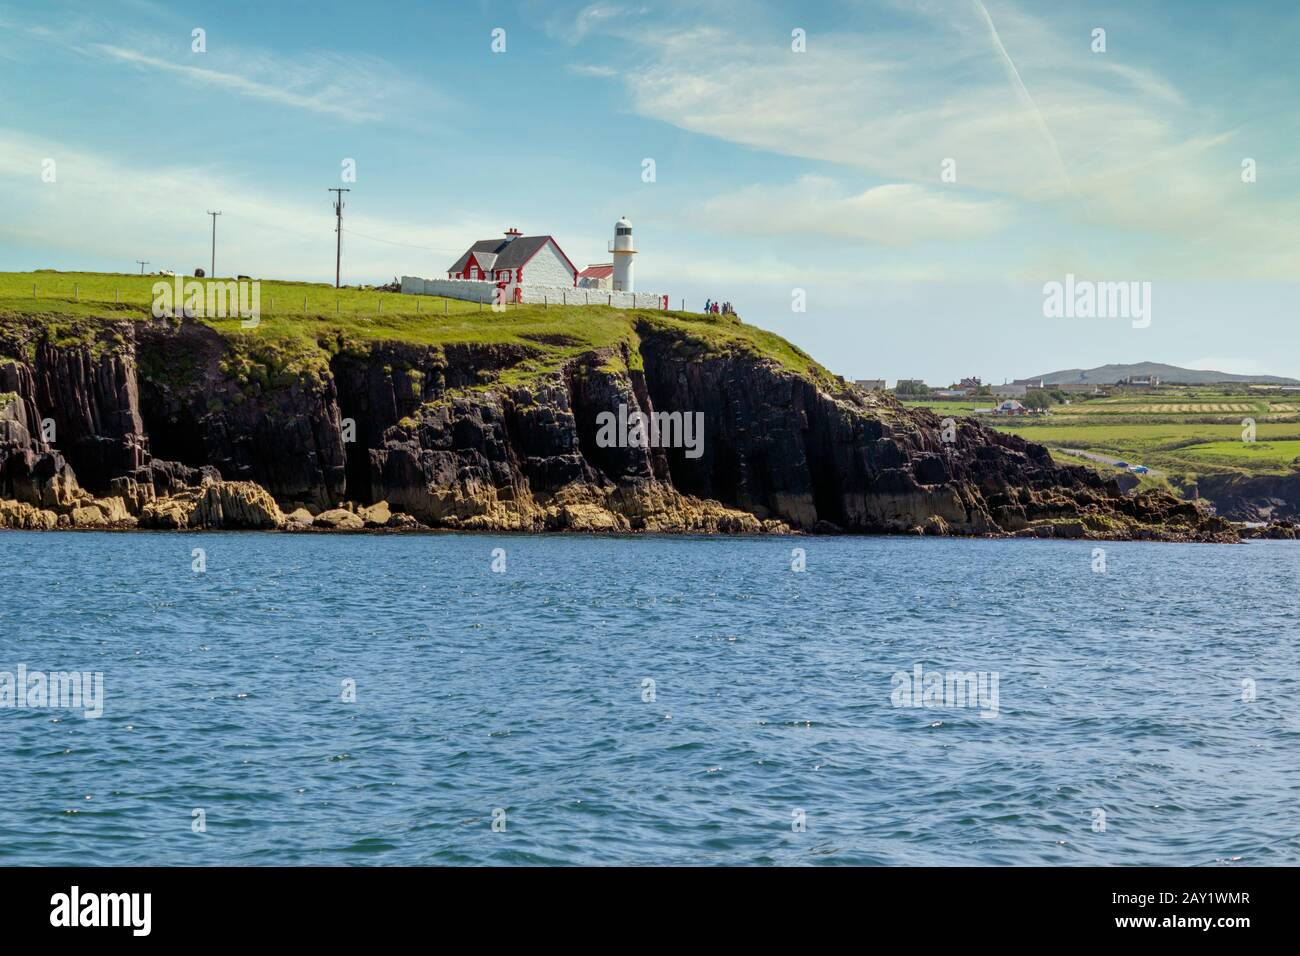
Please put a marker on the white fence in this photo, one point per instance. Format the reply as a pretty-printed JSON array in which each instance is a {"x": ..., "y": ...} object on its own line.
[{"x": 471, "y": 290}]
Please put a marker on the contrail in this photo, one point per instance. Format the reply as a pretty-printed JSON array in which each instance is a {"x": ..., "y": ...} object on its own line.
[{"x": 1024, "y": 94}]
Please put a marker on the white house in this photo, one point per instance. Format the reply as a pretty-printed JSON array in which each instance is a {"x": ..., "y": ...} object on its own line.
[
  {"x": 534, "y": 270},
  {"x": 514, "y": 261},
  {"x": 598, "y": 276}
]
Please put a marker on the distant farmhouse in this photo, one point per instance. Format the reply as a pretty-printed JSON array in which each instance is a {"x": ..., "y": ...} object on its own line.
[
  {"x": 1009, "y": 407},
  {"x": 871, "y": 384},
  {"x": 534, "y": 269}
]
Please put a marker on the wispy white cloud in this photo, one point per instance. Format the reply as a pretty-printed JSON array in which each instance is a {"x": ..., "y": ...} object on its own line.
[
  {"x": 1027, "y": 113},
  {"x": 158, "y": 214},
  {"x": 893, "y": 214},
  {"x": 353, "y": 87},
  {"x": 305, "y": 84},
  {"x": 589, "y": 69},
  {"x": 572, "y": 28}
]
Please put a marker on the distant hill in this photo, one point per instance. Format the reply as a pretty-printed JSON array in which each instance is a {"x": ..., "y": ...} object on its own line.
[{"x": 1110, "y": 374}]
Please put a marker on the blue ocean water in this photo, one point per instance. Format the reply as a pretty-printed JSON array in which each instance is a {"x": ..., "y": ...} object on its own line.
[{"x": 522, "y": 697}]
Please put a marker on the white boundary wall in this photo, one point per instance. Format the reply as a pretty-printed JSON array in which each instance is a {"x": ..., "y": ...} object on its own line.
[{"x": 471, "y": 290}]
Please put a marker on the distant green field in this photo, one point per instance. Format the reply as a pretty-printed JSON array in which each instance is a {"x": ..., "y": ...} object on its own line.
[
  {"x": 1183, "y": 431},
  {"x": 1266, "y": 454},
  {"x": 951, "y": 408},
  {"x": 1180, "y": 430}
]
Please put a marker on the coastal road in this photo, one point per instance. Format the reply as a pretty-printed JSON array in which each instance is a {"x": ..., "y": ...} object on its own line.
[{"x": 1106, "y": 460}]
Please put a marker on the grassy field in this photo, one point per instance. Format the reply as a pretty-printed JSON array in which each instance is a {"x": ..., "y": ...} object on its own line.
[
  {"x": 953, "y": 408},
  {"x": 300, "y": 322},
  {"x": 1185, "y": 431}
]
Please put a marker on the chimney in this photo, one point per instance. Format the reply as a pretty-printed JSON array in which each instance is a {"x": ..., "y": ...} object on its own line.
[{"x": 512, "y": 234}]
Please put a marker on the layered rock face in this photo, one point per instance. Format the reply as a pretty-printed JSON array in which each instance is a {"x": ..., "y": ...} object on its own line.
[
  {"x": 1263, "y": 498},
  {"x": 166, "y": 425}
]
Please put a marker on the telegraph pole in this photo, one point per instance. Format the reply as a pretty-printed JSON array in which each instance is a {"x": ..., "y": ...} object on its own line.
[
  {"x": 214, "y": 215},
  {"x": 143, "y": 263},
  {"x": 338, "y": 228}
]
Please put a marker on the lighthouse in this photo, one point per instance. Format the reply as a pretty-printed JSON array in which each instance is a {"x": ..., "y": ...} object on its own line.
[{"x": 623, "y": 250}]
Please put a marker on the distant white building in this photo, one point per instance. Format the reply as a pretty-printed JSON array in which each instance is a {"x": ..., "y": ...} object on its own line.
[{"x": 1010, "y": 391}]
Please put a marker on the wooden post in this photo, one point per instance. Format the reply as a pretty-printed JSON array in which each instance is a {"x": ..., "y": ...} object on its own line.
[
  {"x": 445, "y": 303},
  {"x": 304, "y": 303},
  {"x": 379, "y": 308},
  {"x": 545, "y": 302},
  {"x": 116, "y": 296},
  {"x": 33, "y": 290}
]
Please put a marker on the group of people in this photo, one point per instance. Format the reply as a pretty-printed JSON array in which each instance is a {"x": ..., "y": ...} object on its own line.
[{"x": 718, "y": 308}]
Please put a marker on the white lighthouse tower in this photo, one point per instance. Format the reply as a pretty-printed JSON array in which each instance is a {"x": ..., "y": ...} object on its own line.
[{"x": 623, "y": 250}]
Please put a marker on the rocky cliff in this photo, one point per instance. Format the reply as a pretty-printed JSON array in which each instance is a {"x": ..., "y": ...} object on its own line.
[
  {"x": 1262, "y": 498},
  {"x": 172, "y": 423}
]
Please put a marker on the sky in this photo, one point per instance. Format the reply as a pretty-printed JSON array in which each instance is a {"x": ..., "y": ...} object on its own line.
[{"x": 890, "y": 184}]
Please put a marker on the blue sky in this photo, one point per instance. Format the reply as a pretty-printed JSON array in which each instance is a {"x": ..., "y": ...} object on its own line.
[{"x": 775, "y": 170}]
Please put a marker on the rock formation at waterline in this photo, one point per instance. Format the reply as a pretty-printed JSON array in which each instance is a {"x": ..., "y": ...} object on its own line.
[{"x": 170, "y": 424}]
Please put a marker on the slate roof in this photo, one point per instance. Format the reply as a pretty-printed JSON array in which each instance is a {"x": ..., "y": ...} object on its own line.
[{"x": 503, "y": 253}]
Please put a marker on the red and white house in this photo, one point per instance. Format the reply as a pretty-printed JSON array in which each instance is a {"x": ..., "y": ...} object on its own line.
[
  {"x": 597, "y": 277},
  {"x": 514, "y": 261}
]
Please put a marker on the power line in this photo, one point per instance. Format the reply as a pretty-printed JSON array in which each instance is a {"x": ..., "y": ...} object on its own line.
[
  {"x": 338, "y": 228},
  {"x": 361, "y": 235},
  {"x": 214, "y": 216},
  {"x": 143, "y": 263}
]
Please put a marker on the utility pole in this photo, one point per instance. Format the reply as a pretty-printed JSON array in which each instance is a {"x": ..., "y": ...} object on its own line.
[
  {"x": 214, "y": 215},
  {"x": 143, "y": 263},
  {"x": 338, "y": 228}
]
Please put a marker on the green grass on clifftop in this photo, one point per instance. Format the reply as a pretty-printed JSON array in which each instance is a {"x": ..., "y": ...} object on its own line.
[{"x": 299, "y": 320}]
